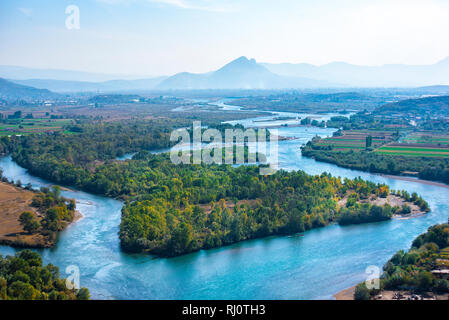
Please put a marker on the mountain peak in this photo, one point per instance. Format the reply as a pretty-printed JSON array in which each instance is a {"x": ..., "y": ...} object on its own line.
[
  {"x": 242, "y": 61},
  {"x": 242, "y": 64}
]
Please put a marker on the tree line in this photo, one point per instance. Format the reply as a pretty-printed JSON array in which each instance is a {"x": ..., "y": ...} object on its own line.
[
  {"x": 412, "y": 270},
  {"x": 24, "y": 277}
]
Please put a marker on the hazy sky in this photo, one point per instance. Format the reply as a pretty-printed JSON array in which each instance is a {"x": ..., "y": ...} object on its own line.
[{"x": 162, "y": 37}]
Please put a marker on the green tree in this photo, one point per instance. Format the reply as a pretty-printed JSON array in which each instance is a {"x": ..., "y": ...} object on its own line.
[
  {"x": 368, "y": 142},
  {"x": 83, "y": 294},
  {"x": 29, "y": 222},
  {"x": 3, "y": 289},
  {"x": 361, "y": 292},
  {"x": 425, "y": 280}
]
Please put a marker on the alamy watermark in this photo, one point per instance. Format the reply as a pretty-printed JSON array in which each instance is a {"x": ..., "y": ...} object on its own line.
[
  {"x": 72, "y": 22},
  {"x": 373, "y": 277},
  {"x": 72, "y": 282},
  {"x": 208, "y": 146}
]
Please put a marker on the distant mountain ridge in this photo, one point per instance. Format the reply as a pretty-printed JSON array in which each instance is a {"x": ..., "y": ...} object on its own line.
[
  {"x": 10, "y": 91},
  {"x": 389, "y": 75},
  {"x": 84, "y": 86},
  {"x": 242, "y": 73},
  {"x": 25, "y": 73}
]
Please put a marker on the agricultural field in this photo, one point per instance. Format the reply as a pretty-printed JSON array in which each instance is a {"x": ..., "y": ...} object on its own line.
[
  {"x": 28, "y": 126},
  {"x": 427, "y": 138},
  {"x": 443, "y": 259},
  {"x": 419, "y": 144},
  {"x": 356, "y": 139}
]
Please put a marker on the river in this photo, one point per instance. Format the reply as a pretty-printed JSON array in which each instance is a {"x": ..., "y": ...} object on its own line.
[{"x": 315, "y": 266}]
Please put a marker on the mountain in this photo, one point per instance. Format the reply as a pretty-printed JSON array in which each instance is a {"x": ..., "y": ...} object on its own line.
[
  {"x": 391, "y": 75},
  {"x": 241, "y": 73},
  {"x": 84, "y": 86},
  {"x": 22, "y": 73},
  {"x": 11, "y": 91}
]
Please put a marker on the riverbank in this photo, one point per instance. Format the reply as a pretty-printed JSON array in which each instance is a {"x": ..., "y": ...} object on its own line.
[
  {"x": 346, "y": 294},
  {"x": 411, "y": 179},
  {"x": 352, "y": 161},
  {"x": 13, "y": 202},
  {"x": 388, "y": 295}
]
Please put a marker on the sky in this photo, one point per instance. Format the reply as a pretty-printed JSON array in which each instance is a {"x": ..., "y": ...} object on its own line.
[{"x": 163, "y": 37}]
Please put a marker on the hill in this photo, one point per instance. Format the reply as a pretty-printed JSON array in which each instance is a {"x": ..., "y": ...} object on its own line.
[
  {"x": 85, "y": 86},
  {"x": 430, "y": 106},
  {"x": 11, "y": 91}
]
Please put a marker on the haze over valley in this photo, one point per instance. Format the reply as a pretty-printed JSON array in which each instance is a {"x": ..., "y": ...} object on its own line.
[{"x": 241, "y": 73}]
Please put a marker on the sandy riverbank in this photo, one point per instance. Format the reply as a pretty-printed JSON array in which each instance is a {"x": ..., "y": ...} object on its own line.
[
  {"x": 411, "y": 179},
  {"x": 347, "y": 294},
  {"x": 13, "y": 202}
]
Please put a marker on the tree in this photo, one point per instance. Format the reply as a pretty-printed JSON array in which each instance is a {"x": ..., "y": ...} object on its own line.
[
  {"x": 368, "y": 142},
  {"x": 22, "y": 291},
  {"x": 22, "y": 277},
  {"x": 3, "y": 289},
  {"x": 71, "y": 205},
  {"x": 425, "y": 280},
  {"x": 83, "y": 294},
  {"x": 406, "y": 209},
  {"x": 29, "y": 222},
  {"x": 361, "y": 292},
  {"x": 56, "y": 191}
]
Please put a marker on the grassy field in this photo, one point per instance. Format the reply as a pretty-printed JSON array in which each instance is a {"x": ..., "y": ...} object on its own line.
[
  {"x": 416, "y": 152},
  {"x": 356, "y": 139},
  {"x": 28, "y": 126}
]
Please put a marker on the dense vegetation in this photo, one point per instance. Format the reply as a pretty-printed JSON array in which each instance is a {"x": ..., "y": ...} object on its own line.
[
  {"x": 297, "y": 101},
  {"x": 356, "y": 212},
  {"x": 424, "y": 107},
  {"x": 169, "y": 219},
  {"x": 418, "y": 269},
  {"x": 58, "y": 211},
  {"x": 95, "y": 142},
  {"x": 23, "y": 277},
  {"x": 436, "y": 169},
  {"x": 367, "y": 120},
  {"x": 79, "y": 160}
]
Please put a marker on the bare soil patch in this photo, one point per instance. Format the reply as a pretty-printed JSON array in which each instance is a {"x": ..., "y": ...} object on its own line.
[{"x": 13, "y": 202}]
